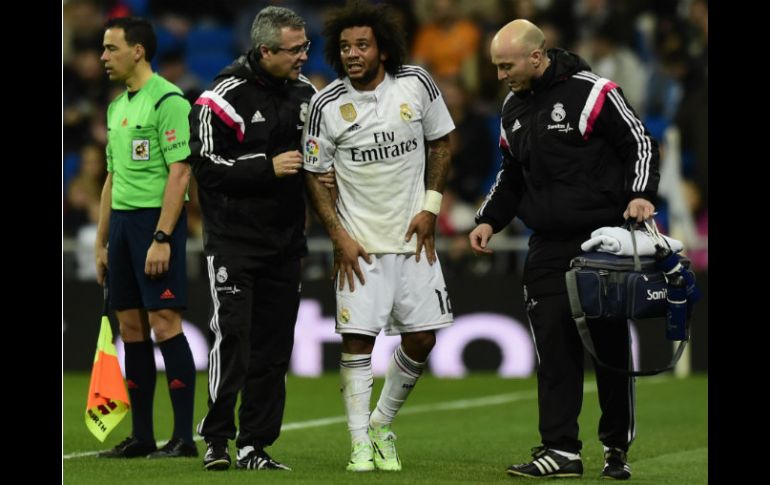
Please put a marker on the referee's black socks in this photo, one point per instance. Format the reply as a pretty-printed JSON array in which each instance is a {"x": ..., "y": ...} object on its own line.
[
  {"x": 180, "y": 373},
  {"x": 140, "y": 380}
]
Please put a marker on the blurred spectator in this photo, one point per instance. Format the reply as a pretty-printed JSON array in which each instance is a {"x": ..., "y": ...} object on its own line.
[
  {"x": 92, "y": 164},
  {"x": 81, "y": 205},
  {"x": 404, "y": 10},
  {"x": 473, "y": 157},
  {"x": 611, "y": 59},
  {"x": 82, "y": 213},
  {"x": 473, "y": 153},
  {"x": 220, "y": 12},
  {"x": 172, "y": 66},
  {"x": 665, "y": 91},
  {"x": 85, "y": 90},
  {"x": 448, "y": 44},
  {"x": 83, "y": 190},
  {"x": 666, "y": 85},
  {"x": 552, "y": 32},
  {"x": 692, "y": 118},
  {"x": 82, "y": 22}
]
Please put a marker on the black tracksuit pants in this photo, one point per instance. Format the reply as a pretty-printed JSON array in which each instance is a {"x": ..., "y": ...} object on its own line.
[
  {"x": 255, "y": 304},
  {"x": 561, "y": 358}
]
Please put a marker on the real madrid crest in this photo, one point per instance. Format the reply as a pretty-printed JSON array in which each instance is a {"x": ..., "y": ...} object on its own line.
[
  {"x": 348, "y": 112},
  {"x": 406, "y": 112},
  {"x": 221, "y": 274},
  {"x": 302, "y": 112},
  {"x": 344, "y": 315},
  {"x": 558, "y": 113}
]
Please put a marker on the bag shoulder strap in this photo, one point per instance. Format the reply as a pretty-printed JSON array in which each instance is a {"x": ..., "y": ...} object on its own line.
[{"x": 585, "y": 334}]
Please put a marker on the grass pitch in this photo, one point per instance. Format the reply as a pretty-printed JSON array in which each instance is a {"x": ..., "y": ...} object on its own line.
[{"x": 450, "y": 431}]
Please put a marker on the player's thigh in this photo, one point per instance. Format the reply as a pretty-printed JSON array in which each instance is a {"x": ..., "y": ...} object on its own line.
[
  {"x": 421, "y": 300},
  {"x": 366, "y": 310}
]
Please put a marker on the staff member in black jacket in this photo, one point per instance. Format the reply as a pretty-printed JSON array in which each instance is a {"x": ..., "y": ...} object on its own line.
[
  {"x": 576, "y": 157},
  {"x": 246, "y": 155}
]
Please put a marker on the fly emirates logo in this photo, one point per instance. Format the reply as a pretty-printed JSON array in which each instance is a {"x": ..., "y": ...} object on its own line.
[{"x": 387, "y": 147}]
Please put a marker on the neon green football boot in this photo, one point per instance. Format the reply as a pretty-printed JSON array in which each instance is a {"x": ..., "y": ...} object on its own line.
[
  {"x": 361, "y": 457},
  {"x": 385, "y": 454}
]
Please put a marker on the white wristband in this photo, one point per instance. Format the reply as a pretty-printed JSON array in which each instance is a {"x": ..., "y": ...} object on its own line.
[{"x": 432, "y": 201}]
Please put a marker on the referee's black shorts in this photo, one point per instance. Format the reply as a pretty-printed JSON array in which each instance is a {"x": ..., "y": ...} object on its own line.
[{"x": 131, "y": 234}]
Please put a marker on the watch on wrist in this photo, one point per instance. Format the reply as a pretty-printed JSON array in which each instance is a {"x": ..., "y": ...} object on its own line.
[{"x": 161, "y": 237}]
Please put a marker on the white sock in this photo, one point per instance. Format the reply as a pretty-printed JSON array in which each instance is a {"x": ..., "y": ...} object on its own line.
[
  {"x": 356, "y": 379},
  {"x": 571, "y": 456},
  {"x": 401, "y": 377}
]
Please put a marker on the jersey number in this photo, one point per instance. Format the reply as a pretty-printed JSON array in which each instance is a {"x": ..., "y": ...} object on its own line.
[{"x": 441, "y": 299}]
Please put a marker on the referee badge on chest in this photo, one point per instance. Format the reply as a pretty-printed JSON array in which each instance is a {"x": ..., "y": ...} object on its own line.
[
  {"x": 140, "y": 149},
  {"x": 348, "y": 112},
  {"x": 406, "y": 112}
]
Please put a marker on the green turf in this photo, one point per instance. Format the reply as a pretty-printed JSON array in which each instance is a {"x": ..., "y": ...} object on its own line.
[{"x": 449, "y": 445}]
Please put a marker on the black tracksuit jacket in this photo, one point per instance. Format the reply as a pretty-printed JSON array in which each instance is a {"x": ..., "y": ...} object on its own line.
[
  {"x": 244, "y": 119},
  {"x": 574, "y": 154}
]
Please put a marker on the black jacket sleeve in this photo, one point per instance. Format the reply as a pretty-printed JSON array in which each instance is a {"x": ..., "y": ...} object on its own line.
[
  {"x": 638, "y": 150},
  {"x": 218, "y": 158},
  {"x": 501, "y": 204}
]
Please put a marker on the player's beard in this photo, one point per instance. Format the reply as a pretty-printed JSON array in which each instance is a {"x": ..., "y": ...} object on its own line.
[{"x": 369, "y": 74}]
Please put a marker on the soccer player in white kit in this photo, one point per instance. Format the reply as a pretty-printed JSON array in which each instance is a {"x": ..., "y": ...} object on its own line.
[{"x": 371, "y": 126}]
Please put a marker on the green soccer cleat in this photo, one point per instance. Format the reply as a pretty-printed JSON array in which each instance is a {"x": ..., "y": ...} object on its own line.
[
  {"x": 385, "y": 454},
  {"x": 361, "y": 457}
]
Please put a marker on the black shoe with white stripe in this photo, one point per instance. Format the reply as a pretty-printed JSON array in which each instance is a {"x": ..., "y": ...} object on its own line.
[
  {"x": 547, "y": 463},
  {"x": 615, "y": 465},
  {"x": 217, "y": 457},
  {"x": 251, "y": 458}
]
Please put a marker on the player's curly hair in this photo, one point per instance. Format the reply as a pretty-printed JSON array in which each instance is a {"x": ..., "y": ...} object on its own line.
[{"x": 384, "y": 23}]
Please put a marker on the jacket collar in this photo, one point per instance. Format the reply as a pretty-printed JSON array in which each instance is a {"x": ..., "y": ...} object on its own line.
[{"x": 260, "y": 74}]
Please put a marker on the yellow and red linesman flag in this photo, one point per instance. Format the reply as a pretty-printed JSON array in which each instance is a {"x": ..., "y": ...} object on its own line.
[{"x": 107, "y": 397}]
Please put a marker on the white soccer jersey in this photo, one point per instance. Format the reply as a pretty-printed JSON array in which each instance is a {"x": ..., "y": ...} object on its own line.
[{"x": 375, "y": 140}]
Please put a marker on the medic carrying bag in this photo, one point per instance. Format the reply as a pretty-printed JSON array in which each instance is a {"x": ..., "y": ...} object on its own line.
[{"x": 605, "y": 285}]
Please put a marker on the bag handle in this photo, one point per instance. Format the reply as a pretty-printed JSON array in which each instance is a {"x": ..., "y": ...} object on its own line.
[
  {"x": 652, "y": 230},
  {"x": 630, "y": 225},
  {"x": 585, "y": 334}
]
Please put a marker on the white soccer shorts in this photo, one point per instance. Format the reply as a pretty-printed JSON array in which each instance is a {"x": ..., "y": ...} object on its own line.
[{"x": 400, "y": 296}]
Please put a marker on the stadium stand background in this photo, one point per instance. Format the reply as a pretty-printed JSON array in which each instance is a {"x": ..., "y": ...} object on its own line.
[{"x": 657, "y": 50}]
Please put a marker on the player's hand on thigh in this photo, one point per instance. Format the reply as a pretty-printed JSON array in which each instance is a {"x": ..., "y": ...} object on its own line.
[
  {"x": 346, "y": 263},
  {"x": 424, "y": 225}
]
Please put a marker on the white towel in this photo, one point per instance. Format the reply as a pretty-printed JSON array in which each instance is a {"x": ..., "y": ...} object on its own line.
[{"x": 617, "y": 240}]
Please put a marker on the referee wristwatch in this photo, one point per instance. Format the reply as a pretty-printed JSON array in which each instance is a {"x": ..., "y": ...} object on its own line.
[{"x": 161, "y": 237}]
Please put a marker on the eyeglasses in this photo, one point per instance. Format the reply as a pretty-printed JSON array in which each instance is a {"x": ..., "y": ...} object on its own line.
[{"x": 294, "y": 51}]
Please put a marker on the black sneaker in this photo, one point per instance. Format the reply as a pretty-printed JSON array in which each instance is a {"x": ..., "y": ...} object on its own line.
[
  {"x": 547, "y": 463},
  {"x": 251, "y": 458},
  {"x": 129, "y": 448},
  {"x": 615, "y": 465},
  {"x": 216, "y": 457},
  {"x": 175, "y": 448}
]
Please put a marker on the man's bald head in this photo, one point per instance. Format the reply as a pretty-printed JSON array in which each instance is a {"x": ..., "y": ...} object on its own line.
[
  {"x": 519, "y": 54},
  {"x": 519, "y": 35}
]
